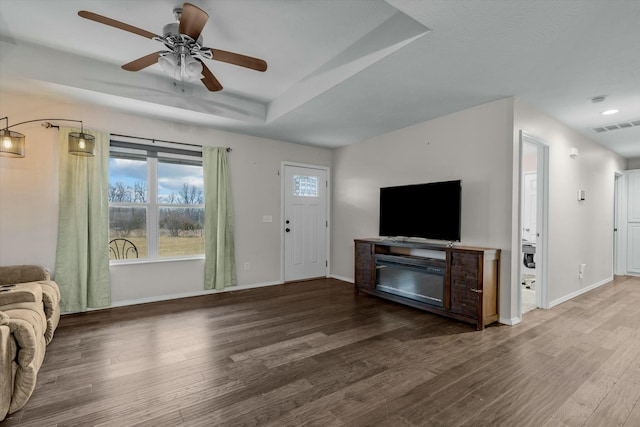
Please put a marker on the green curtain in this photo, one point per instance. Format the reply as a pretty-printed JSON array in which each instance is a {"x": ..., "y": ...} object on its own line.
[
  {"x": 82, "y": 255},
  {"x": 220, "y": 260}
]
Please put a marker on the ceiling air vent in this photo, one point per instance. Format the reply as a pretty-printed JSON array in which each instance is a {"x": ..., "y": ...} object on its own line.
[{"x": 617, "y": 126}]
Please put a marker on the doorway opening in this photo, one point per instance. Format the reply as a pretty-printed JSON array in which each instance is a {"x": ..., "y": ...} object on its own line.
[{"x": 533, "y": 222}]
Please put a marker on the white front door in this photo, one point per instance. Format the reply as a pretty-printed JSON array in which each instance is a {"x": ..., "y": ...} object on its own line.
[{"x": 305, "y": 222}]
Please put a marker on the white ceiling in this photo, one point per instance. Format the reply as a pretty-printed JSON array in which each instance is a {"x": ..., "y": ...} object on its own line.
[{"x": 341, "y": 71}]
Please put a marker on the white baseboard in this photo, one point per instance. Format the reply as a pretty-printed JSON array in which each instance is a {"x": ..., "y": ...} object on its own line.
[
  {"x": 579, "y": 292},
  {"x": 510, "y": 321},
  {"x": 344, "y": 279},
  {"x": 159, "y": 298}
]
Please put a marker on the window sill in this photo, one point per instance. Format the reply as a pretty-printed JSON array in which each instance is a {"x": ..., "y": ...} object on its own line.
[{"x": 154, "y": 261}]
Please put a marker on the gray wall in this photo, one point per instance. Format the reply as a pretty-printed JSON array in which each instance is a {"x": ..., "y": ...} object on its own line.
[
  {"x": 579, "y": 232},
  {"x": 634, "y": 163},
  {"x": 473, "y": 145},
  {"x": 29, "y": 197},
  {"x": 481, "y": 146},
  {"x": 478, "y": 145}
]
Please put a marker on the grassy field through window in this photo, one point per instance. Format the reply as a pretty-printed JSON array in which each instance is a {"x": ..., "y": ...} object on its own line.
[{"x": 169, "y": 246}]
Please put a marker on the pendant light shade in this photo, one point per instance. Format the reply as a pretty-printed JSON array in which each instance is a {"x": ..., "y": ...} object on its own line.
[
  {"x": 169, "y": 64},
  {"x": 82, "y": 144},
  {"x": 11, "y": 143}
]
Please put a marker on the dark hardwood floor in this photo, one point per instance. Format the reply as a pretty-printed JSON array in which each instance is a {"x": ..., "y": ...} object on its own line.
[{"x": 313, "y": 353}]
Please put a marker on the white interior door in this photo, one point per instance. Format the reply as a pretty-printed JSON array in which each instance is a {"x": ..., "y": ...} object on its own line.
[
  {"x": 529, "y": 211},
  {"x": 633, "y": 221},
  {"x": 305, "y": 222},
  {"x": 619, "y": 263}
]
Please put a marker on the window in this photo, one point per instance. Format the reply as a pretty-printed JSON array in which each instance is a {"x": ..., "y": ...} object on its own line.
[
  {"x": 156, "y": 200},
  {"x": 305, "y": 186}
]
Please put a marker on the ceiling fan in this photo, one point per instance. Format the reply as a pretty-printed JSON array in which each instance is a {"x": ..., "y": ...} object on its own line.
[{"x": 185, "y": 52}]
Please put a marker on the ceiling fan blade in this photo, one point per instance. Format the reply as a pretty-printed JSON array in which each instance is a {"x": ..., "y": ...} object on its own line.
[
  {"x": 237, "y": 59},
  {"x": 117, "y": 24},
  {"x": 209, "y": 80},
  {"x": 192, "y": 20},
  {"x": 143, "y": 62}
]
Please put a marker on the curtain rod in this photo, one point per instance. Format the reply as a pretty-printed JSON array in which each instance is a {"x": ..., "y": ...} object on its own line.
[{"x": 153, "y": 140}]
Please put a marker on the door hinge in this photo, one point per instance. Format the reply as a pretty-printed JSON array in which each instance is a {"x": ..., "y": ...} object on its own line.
[
  {"x": 326, "y": 223},
  {"x": 326, "y": 263}
]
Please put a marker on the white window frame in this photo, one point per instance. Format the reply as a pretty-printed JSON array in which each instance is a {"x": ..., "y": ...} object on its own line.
[{"x": 152, "y": 205}]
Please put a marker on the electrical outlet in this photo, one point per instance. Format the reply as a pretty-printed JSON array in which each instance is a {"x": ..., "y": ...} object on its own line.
[
  {"x": 246, "y": 266},
  {"x": 581, "y": 270}
]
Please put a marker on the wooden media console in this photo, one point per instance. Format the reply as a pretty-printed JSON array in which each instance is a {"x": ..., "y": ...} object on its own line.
[{"x": 460, "y": 282}]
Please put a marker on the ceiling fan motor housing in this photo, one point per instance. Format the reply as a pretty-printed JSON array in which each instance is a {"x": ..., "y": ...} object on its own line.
[{"x": 172, "y": 32}]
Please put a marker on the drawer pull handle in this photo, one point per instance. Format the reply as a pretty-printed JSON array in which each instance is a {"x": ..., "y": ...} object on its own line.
[{"x": 477, "y": 291}]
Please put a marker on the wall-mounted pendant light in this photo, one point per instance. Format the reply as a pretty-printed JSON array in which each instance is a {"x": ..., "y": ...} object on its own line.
[{"x": 12, "y": 143}]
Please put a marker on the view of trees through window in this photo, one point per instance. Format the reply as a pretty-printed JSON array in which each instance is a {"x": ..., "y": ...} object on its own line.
[{"x": 173, "y": 223}]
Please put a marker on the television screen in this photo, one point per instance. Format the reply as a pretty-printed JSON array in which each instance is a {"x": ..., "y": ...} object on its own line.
[{"x": 430, "y": 211}]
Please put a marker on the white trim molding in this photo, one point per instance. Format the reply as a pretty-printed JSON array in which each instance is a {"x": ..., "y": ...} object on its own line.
[
  {"x": 160, "y": 298},
  {"x": 342, "y": 278},
  {"x": 511, "y": 322},
  {"x": 579, "y": 292}
]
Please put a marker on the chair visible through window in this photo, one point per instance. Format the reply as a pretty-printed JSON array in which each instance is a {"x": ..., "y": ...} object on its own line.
[{"x": 122, "y": 249}]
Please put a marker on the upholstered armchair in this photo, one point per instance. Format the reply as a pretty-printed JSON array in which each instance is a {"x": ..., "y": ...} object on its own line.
[{"x": 29, "y": 316}]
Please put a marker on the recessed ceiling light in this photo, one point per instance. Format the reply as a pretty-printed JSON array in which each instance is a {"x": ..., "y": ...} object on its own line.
[{"x": 609, "y": 112}]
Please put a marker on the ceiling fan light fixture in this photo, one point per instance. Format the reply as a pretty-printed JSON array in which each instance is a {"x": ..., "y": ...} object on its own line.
[
  {"x": 168, "y": 63},
  {"x": 193, "y": 68},
  {"x": 187, "y": 69}
]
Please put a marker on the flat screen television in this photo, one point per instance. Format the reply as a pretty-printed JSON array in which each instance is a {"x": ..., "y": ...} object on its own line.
[{"x": 431, "y": 211}]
